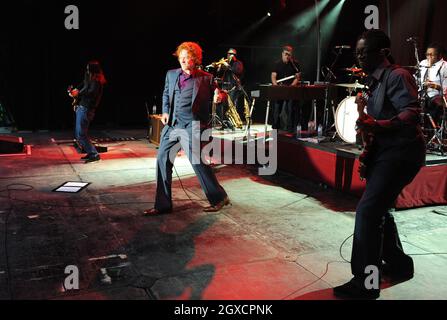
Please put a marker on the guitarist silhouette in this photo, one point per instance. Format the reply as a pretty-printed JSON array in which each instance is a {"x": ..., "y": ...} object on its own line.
[
  {"x": 85, "y": 101},
  {"x": 394, "y": 153}
]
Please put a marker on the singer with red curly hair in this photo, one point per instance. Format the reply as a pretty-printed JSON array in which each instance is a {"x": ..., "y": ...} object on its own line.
[{"x": 187, "y": 98}]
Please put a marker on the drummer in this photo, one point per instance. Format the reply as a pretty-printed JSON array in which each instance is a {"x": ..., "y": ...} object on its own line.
[{"x": 433, "y": 80}]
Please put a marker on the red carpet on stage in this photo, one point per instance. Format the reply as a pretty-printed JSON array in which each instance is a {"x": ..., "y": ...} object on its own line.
[
  {"x": 337, "y": 166},
  {"x": 428, "y": 188}
]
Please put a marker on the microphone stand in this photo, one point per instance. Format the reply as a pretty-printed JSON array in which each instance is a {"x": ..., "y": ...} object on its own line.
[
  {"x": 294, "y": 65},
  {"x": 215, "y": 120},
  {"x": 327, "y": 80},
  {"x": 421, "y": 91},
  {"x": 418, "y": 73},
  {"x": 246, "y": 97}
]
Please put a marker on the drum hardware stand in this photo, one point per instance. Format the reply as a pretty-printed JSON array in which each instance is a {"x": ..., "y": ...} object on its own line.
[
  {"x": 327, "y": 79},
  {"x": 333, "y": 125},
  {"x": 249, "y": 100},
  {"x": 326, "y": 118},
  {"x": 247, "y": 128},
  {"x": 437, "y": 140},
  {"x": 326, "y": 109},
  {"x": 215, "y": 120}
]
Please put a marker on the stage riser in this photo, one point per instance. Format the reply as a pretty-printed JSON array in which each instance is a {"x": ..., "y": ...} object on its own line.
[
  {"x": 228, "y": 148},
  {"x": 340, "y": 171}
]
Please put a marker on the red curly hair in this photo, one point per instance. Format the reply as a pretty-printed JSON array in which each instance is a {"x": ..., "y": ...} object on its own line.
[{"x": 193, "y": 49}]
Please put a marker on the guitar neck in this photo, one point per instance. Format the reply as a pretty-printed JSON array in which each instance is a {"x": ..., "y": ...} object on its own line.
[{"x": 361, "y": 109}]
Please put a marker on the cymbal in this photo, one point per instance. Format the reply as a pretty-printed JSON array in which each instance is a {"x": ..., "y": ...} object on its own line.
[{"x": 351, "y": 85}]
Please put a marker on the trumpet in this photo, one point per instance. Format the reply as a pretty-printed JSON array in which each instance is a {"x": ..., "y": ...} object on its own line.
[{"x": 219, "y": 63}]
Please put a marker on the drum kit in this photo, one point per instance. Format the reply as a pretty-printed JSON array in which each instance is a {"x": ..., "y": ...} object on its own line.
[{"x": 346, "y": 114}]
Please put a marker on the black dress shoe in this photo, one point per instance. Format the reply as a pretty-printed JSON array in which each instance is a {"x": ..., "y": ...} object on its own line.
[
  {"x": 155, "y": 212},
  {"x": 352, "y": 290},
  {"x": 93, "y": 158},
  {"x": 397, "y": 274},
  {"x": 218, "y": 206}
]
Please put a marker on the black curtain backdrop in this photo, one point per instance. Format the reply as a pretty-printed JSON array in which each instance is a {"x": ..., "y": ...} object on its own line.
[
  {"x": 134, "y": 40},
  {"x": 424, "y": 19}
]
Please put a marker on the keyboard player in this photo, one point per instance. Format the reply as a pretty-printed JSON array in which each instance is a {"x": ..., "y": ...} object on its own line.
[{"x": 286, "y": 67}]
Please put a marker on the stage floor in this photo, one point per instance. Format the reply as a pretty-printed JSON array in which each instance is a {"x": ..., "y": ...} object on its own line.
[{"x": 275, "y": 242}]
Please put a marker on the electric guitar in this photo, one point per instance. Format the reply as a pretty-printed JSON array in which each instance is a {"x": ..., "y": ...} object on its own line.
[
  {"x": 73, "y": 93},
  {"x": 367, "y": 138}
]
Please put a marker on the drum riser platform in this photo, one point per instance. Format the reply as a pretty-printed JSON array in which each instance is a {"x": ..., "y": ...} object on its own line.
[{"x": 339, "y": 169}]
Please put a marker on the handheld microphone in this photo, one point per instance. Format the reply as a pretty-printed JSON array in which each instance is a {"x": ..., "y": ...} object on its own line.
[{"x": 343, "y": 47}]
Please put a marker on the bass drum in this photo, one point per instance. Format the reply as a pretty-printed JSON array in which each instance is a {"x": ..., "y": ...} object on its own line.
[{"x": 345, "y": 120}]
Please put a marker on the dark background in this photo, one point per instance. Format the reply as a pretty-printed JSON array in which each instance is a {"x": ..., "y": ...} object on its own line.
[{"x": 134, "y": 41}]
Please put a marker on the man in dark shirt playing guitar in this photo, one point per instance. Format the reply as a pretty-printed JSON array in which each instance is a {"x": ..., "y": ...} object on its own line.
[{"x": 395, "y": 153}]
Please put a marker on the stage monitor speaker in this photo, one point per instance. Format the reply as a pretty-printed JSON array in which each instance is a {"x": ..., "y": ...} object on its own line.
[{"x": 10, "y": 144}]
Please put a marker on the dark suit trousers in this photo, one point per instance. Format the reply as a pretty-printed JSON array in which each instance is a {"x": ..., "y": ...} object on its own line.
[
  {"x": 211, "y": 187},
  {"x": 375, "y": 235}
]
